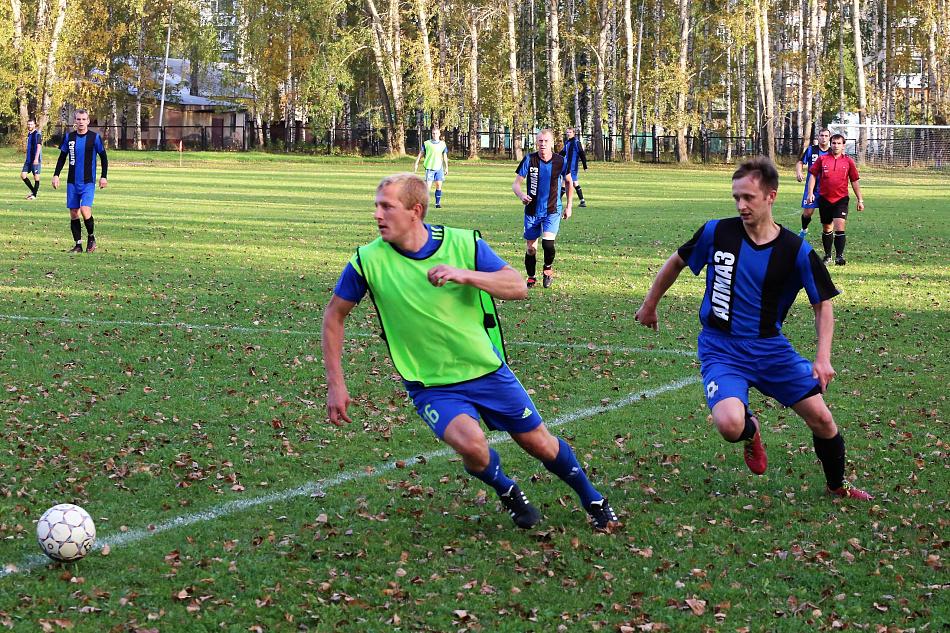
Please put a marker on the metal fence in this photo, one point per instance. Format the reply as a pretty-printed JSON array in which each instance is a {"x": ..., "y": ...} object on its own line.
[{"x": 901, "y": 149}]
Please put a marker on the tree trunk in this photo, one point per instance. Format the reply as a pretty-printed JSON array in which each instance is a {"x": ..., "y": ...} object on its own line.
[
  {"x": 387, "y": 50},
  {"x": 290, "y": 101},
  {"x": 474, "y": 118},
  {"x": 682, "y": 154},
  {"x": 517, "y": 141},
  {"x": 743, "y": 94},
  {"x": 572, "y": 54},
  {"x": 809, "y": 80},
  {"x": 625, "y": 125},
  {"x": 139, "y": 86},
  {"x": 430, "y": 92},
  {"x": 533, "y": 64},
  {"x": 18, "y": 70},
  {"x": 554, "y": 70},
  {"x": 764, "y": 78},
  {"x": 862, "y": 85},
  {"x": 729, "y": 99},
  {"x": 637, "y": 109},
  {"x": 48, "y": 70},
  {"x": 600, "y": 78}
]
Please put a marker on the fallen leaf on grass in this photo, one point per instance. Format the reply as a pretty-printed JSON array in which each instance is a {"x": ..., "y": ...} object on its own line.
[{"x": 698, "y": 606}]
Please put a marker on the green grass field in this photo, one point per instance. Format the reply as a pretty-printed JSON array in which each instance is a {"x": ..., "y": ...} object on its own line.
[{"x": 171, "y": 384}]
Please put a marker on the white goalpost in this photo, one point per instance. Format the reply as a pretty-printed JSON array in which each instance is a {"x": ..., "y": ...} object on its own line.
[{"x": 899, "y": 146}]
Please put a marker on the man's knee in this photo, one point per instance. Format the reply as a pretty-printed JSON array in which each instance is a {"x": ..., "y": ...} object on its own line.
[
  {"x": 821, "y": 422},
  {"x": 466, "y": 437},
  {"x": 538, "y": 443},
  {"x": 531, "y": 250},
  {"x": 729, "y": 418}
]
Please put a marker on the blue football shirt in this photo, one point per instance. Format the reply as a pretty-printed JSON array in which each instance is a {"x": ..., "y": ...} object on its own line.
[
  {"x": 750, "y": 287},
  {"x": 83, "y": 151},
  {"x": 542, "y": 183}
]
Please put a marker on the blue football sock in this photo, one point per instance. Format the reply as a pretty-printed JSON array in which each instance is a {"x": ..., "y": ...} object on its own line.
[
  {"x": 566, "y": 467},
  {"x": 438, "y": 196},
  {"x": 493, "y": 475}
]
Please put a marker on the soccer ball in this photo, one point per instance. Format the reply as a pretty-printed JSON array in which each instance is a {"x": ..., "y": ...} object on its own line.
[{"x": 66, "y": 532}]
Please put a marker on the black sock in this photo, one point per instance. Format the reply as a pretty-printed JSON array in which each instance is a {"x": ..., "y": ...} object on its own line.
[
  {"x": 749, "y": 431},
  {"x": 827, "y": 240},
  {"x": 580, "y": 194},
  {"x": 839, "y": 243},
  {"x": 90, "y": 227},
  {"x": 76, "y": 227},
  {"x": 531, "y": 264},
  {"x": 26, "y": 181},
  {"x": 36, "y": 187},
  {"x": 831, "y": 454},
  {"x": 806, "y": 220},
  {"x": 548, "y": 247}
]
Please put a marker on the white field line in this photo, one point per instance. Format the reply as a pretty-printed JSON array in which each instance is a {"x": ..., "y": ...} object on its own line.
[
  {"x": 316, "y": 335},
  {"x": 315, "y": 487}
]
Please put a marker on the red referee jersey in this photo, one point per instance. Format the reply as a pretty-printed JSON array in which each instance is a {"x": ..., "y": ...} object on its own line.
[{"x": 835, "y": 173}]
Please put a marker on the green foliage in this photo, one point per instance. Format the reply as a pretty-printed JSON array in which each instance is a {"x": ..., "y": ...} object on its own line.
[{"x": 171, "y": 383}]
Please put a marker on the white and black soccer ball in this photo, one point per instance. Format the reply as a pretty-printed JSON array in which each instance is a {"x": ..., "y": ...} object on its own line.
[{"x": 66, "y": 532}]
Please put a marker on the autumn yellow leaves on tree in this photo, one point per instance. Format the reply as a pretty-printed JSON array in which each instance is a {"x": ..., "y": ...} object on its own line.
[{"x": 769, "y": 68}]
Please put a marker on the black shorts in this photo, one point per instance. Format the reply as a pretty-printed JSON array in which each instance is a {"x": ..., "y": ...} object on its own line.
[{"x": 828, "y": 211}]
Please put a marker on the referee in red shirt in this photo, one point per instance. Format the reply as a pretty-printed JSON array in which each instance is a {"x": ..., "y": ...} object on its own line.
[{"x": 836, "y": 171}]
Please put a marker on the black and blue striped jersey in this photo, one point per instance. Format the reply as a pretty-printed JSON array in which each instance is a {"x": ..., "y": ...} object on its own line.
[
  {"x": 542, "y": 183},
  {"x": 33, "y": 140},
  {"x": 82, "y": 151},
  {"x": 749, "y": 287}
]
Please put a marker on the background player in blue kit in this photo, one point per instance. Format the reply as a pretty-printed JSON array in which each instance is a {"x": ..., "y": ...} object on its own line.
[
  {"x": 432, "y": 287},
  {"x": 34, "y": 159},
  {"x": 754, "y": 270},
  {"x": 81, "y": 147},
  {"x": 542, "y": 173},
  {"x": 573, "y": 152},
  {"x": 809, "y": 158}
]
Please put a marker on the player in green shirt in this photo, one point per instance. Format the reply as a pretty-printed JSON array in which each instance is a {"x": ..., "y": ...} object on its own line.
[{"x": 436, "y": 163}]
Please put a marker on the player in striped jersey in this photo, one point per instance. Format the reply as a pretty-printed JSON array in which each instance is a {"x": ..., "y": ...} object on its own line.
[
  {"x": 34, "y": 159},
  {"x": 542, "y": 174},
  {"x": 81, "y": 147},
  {"x": 754, "y": 270}
]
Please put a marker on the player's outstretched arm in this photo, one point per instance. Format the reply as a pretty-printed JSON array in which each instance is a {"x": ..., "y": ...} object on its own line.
[
  {"x": 331, "y": 341},
  {"x": 505, "y": 283},
  {"x": 668, "y": 274},
  {"x": 825, "y": 327}
]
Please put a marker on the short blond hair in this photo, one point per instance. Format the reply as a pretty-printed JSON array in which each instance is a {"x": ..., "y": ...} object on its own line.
[
  {"x": 412, "y": 190},
  {"x": 547, "y": 131}
]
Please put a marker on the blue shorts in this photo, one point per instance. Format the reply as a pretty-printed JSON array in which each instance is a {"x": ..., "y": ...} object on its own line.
[
  {"x": 813, "y": 205},
  {"x": 574, "y": 177},
  {"x": 438, "y": 175},
  {"x": 80, "y": 195},
  {"x": 729, "y": 366},
  {"x": 498, "y": 399},
  {"x": 30, "y": 168},
  {"x": 536, "y": 225}
]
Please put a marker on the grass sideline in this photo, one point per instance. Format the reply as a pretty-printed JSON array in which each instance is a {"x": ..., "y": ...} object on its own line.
[{"x": 171, "y": 384}]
